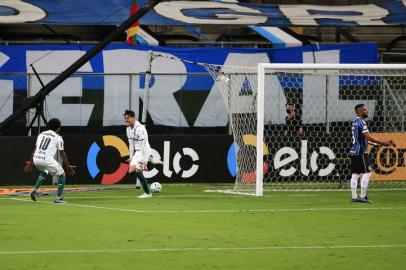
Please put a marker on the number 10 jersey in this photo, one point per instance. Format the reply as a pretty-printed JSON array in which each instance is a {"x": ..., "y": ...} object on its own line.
[{"x": 48, "y": 142}]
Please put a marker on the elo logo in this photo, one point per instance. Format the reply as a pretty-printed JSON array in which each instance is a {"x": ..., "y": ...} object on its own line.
[
  {"x": 249, "y": 140},
  {"x": 282, "y": 159},
  {"x": 122, "y": 169},
  {"x": 94, "y": 170}
]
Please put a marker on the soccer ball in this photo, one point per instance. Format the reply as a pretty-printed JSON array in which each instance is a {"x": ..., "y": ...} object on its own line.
[{"x": 156, "y": 187}]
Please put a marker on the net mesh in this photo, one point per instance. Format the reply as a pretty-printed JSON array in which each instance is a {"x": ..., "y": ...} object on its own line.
[{"x": 308, "y": 115}]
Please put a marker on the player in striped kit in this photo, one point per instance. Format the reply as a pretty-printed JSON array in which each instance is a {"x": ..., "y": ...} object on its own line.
[{"x": 359, "y": 154}]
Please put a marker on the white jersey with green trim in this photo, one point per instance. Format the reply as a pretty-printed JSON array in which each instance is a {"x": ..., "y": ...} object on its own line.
[
  {"x": 48, "y": 142},
  {"x": 138, "y": 140}
]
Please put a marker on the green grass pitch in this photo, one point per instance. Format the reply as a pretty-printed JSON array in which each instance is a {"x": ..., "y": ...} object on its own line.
[{"x": 186, "y": 228}]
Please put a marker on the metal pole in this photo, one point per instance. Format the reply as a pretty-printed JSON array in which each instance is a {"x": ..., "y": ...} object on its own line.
[
  {"x": 259, "y": 189},
  {"x": 147, "y": 83},
  {"x": 384, "y": 104},
  {"x": 39, "y": 120},
  {"x": 27, "y": 114},
  {"x": 40, "y": 107},
  {"x": 327, "y": 114},
  {"x": 230, "y": 113},
  {"x": 130, "y": 93}
]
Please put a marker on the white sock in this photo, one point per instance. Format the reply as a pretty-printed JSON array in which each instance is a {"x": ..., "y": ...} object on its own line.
[
  {"x": 364, "y": 184},
  {"x": 354, "y": 183}
]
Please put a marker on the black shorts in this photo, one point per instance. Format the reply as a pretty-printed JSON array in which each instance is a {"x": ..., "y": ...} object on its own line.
[{"x": 360, "y": 164}]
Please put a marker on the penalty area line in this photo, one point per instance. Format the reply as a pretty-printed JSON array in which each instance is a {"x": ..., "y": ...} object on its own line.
[
  {"x": 216, "y": 210},
  {"x": 200, "y": 249}
]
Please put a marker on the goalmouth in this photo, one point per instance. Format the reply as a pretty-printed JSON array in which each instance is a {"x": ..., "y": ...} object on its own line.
[{"x": 291, "y": 123}]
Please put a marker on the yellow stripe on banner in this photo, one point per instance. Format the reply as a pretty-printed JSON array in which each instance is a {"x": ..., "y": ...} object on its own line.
[
  {"x": 11, "y": 191},
  {"x": 116, "y": 142},
  {"x": 250, "y": 139}
]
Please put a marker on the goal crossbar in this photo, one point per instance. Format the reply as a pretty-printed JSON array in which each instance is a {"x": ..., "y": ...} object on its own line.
[{"x": 287, "y": 66}]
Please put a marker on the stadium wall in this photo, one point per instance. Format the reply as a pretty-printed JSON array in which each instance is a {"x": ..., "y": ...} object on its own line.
[
  {"x": 101, "y": 159},
  {"x": 208, "y": 159}
]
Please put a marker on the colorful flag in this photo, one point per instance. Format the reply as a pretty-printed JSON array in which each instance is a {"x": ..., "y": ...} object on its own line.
[{"x": 135, "y": 27}]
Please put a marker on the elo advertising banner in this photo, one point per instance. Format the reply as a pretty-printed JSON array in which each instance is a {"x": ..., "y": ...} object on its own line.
[{"x": 102, "y": 159}]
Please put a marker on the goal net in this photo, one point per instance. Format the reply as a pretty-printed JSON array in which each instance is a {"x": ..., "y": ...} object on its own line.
[{"x": 292, "y": 123}]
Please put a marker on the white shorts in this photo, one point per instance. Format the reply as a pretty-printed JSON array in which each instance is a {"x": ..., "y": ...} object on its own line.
[
  {"x": 49, "y": 166},
  {"x": 138, "y": 161}
]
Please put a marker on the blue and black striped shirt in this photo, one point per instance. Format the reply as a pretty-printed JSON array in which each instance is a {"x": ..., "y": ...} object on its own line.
[{"x": 359, "y": 142}]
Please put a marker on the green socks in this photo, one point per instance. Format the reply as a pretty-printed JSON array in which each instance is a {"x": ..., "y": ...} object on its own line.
[
  {"x": 143, "y": 181},
  {"x": 41, "y": 177},
  {"x": 61, "y": 185}
]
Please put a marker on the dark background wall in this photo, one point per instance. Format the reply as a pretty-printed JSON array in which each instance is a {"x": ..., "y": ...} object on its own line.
[{"x": 211, "y": 162}]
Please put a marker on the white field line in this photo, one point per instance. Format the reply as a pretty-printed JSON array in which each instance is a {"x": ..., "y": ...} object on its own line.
[
  {"x": 188, "y": 196},
  {"x": 170, "y": 196},
  {"x": 331, "y": 190},
  {"x": 273, "y": 193},
  {"x": 201, "y": 249},
  {"x": 218, "y": 210}
]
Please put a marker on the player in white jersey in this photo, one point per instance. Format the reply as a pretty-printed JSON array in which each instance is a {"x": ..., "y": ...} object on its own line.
[
  {"x": 47, "y": 145},
  {"x": 140, "y": 150}
]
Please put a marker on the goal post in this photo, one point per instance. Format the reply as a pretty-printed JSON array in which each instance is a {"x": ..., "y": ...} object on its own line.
[
  {"x": 259, "y": 190},
  {"x": 310, "y": 150}
]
